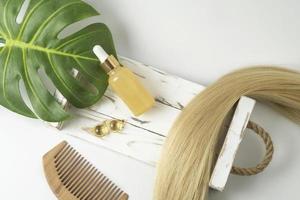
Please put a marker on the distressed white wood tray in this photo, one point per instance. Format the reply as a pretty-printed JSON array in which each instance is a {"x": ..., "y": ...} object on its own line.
[{"x": 143, "y": 136}]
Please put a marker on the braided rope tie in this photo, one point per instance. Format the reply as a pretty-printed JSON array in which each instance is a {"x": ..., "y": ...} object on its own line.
[{"x": 268, "y": 156}]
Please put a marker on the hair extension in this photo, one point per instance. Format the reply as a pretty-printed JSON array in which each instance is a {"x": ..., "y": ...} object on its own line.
[{"x": 190, "y": 150}]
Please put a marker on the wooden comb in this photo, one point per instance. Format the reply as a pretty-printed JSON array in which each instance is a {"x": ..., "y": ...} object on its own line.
[{"x": 72, "y": 177}]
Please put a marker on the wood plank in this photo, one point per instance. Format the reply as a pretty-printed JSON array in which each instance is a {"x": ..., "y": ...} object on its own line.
[
  {"x": 234, "y": 137},
  {"x": 143, "y": 136}
]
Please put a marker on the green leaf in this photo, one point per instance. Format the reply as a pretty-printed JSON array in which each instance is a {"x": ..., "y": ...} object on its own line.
[{"x": 34, "y": 44}]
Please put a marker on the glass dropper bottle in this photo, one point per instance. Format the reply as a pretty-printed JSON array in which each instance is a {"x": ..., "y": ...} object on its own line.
[{"x": 125, "y": 83}]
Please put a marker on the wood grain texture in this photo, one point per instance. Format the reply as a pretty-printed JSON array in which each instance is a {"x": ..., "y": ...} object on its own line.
[
  {"x": 143, "y": 136},
  {"x": 233, "y": 139},
  {"x": 71, "y": 177}
]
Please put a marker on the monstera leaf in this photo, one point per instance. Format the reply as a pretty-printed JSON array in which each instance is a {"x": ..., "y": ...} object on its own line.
[{"x": 34, "y": 44}]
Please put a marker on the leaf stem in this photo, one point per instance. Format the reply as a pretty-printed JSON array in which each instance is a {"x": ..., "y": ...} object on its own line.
[{"x": 23, "y": 45}]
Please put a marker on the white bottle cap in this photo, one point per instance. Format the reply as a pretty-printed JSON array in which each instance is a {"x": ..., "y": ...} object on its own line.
[{"x": 100, "y": 53}]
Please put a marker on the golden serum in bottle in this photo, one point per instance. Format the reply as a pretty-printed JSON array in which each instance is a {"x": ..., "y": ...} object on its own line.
[{"x": 125, "y": 84}]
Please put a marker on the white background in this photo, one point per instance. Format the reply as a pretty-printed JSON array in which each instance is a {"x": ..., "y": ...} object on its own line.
[{"x": 199, "y": 40}]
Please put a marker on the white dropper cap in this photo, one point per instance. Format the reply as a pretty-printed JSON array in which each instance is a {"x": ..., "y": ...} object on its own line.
[{"x": 100, "y": 53}]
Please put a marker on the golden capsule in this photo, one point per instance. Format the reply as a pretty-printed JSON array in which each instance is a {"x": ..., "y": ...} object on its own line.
[
  {"x": 117, "y": 125},
  {"x": 101, "y": 130}
]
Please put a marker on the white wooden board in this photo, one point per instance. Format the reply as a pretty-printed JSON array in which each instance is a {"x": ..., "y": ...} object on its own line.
[
  {"x": 143, "y": 136},
  {"x": 231, "y": 144}
]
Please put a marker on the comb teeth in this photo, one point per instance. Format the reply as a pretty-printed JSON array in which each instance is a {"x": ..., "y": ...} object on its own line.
[{"x": 80, "y": 178}]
